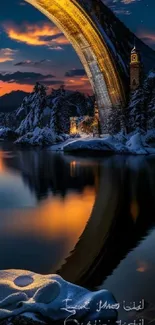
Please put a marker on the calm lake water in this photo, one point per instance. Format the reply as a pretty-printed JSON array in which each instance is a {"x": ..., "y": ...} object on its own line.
[{"x": 92, "y": 220}]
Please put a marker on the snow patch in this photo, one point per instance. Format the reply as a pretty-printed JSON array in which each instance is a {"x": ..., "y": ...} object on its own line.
[
  {"x": 151, "y": 75},
  {"x": 135, "y": 145},
  {"x": 46, "y": 296},
  {"x": 39, "y": 137},
  {"x": 132, "y": 144}
]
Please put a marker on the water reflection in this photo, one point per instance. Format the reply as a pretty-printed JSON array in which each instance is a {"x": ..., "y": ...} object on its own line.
[
  {"x": 120, "y": 235},
  {"x": 44, "y": 208},
  {"x": 91, "y": 220}
]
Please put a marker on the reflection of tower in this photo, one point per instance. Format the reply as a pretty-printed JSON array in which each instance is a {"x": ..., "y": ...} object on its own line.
[
  {"x": 135, "y": 69},
  {"x": 72, "y": 168}
]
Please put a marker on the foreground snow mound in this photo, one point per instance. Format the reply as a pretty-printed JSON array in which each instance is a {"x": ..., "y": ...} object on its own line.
[
  {"x": 135, "y": 144},
  {"x": 50, "y": 296}
]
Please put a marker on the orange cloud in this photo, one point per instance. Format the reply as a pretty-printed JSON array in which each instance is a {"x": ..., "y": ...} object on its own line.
[
  {"x": 7, "y": 54},
  {"x": 79, "y": 83},
  {"x": 6, "y": 88},
  {"x": 126, "y": 2},
  {"x": 45, "y": 34}
]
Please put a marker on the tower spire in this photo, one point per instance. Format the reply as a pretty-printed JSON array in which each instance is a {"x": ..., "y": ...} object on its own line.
[
  {"x": 135, "y": 68},
  {"x": 134, "y": 48},
  {"x": 134, "y": 41}
]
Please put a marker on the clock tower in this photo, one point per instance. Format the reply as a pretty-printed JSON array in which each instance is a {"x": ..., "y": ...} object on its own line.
[{"x": 135, "y": 69}]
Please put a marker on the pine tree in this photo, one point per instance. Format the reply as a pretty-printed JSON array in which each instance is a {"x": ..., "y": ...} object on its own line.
[
  {"x": 42, "y": 91},
  {"x": 37, "y": 87},
  {"x": 116, "y": 121},
  {"x": 149, "y": 87},
  {"x": 137, "y": 111},
  {"x": 43, "y": 96}
]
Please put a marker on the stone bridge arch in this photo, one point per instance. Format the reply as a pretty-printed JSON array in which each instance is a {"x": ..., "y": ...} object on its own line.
[{"x": 87, "y": 40}]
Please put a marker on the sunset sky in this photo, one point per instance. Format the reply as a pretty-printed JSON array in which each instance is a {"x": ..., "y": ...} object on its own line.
[{"x": 26, "y": 55}]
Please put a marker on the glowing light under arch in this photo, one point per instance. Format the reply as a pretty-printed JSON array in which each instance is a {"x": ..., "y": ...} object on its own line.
[{"x": 91, "y": 48}]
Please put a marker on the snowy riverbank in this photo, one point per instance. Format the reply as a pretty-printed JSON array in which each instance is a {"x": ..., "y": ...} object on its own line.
[
  {"x": 135, "y": 144},
  {"x": 51, "y": 297}
]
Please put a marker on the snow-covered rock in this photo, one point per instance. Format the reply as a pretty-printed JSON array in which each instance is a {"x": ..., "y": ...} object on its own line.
[
  {"x": 132, "y": 144},
  {"x": 52, "y": 297},
  {"x": 41, "y": 137},
  {"x": 135, "y": 145},
  {"x": 7, "y": 133},
  {"x": 89, "y": 145}
]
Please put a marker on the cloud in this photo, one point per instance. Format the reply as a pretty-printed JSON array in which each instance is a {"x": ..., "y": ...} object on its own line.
[
  {"x": 28, "y": 78},
  {"x": 79, "y": 83},
  {"x": 40, "y": 34},
  {"x": 76, "y": 79},
  {"x": 36, "y": 64},
  {"x": 22, "y": 4},
  {"x": 75, "y": 73},
  {"x": 117, "y": 6},
  {"x": 7, "y": 54},
  {"x": 147, "y": 37},
  {"x": 55, "y": 48},
  {"x": 127, "y": 2},
  {"x": 122, "y": 11}
]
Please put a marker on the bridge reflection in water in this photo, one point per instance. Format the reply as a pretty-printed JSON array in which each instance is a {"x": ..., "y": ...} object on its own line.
[
  {"x": 116, "y": 248},
  {"x": 118, "y": 221}
]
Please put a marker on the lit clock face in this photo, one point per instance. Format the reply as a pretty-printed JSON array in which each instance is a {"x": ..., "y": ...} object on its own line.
[{"x": 134, "y": 58}]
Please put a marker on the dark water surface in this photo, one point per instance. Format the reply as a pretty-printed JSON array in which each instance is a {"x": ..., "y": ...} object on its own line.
[{"x": 91, "y": 220}]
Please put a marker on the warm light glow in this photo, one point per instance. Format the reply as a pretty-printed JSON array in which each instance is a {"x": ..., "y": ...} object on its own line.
[
  {"x": 143, "y": 266},
  {"x": 56, "y": 217},
  {"x": 7, "y": 87},
  {"x": 134, "y": 210},
  {"x": 73, "y": 126},
  {"x": 72, "y": 168},
  {"x": 35, "y": 35},
  {"x": 91, "y": 48},
  {"x": 3, "y": 168},
  {"x": 134, "y": 58},
  {"x": 53, "y": 219},
  {"x": 73, "y": 129},
  {"x": 2, "y": 165}
]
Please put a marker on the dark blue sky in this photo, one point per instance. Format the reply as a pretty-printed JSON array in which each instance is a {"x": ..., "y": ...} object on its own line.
[{"x": 24, "y": 48}]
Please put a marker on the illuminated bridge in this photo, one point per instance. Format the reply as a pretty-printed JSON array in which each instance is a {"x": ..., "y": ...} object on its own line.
[{"x": 102, "y": 43}]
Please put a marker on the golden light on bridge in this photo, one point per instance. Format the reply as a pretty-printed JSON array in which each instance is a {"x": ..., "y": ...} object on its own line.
[{"x": 90, "y": 46}]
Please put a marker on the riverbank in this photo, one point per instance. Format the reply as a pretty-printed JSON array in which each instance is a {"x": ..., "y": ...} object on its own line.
[
  {"x": 135, "y": 143},
  {"x": 132, "y": 144}
]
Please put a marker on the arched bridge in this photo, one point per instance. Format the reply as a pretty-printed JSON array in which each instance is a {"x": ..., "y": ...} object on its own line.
[{"x": 102, "y": 43}]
